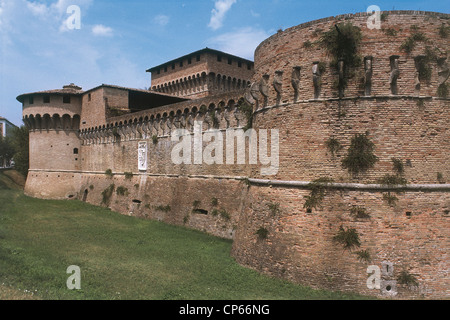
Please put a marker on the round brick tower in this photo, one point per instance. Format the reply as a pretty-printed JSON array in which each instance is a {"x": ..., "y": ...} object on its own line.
[
  {"x": 53, "y": 118},
  {"x": 391, "y": 93}
]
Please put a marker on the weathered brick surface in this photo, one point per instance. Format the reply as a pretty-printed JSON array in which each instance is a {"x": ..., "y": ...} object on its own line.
[{"x": 300, "y": 245}]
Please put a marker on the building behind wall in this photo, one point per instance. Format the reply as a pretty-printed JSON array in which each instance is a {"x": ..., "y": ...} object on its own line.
[{"x": 6, "y": 127}]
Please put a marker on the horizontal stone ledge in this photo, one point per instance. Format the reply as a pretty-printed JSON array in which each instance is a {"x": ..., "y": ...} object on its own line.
[
  {"x": 353, "y": 186},
  {"x": 278, "y": 183},
  {"x": 380, "y": 97},
  {"x": 144, "y": 174}
]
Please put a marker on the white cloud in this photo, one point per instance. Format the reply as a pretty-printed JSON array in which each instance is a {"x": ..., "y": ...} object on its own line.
[
  {"x": 37, "y": 9},
  {"x": 219, "y": 12},
  {"x": 161, "y": 20},
  {"x": 35, "y": 55},
  {"x": 242, "y": 42},
  {"x": 101, "y": 30},
  {"x": 255, "y": 14}
]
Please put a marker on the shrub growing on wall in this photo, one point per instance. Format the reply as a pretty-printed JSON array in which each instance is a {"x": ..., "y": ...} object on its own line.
[
  {"x": 315, "y": 198},
  {"x": 342, "y": 42},
  {"x": 360, "y": 156},
  {"x": 348, "y": 238},
  {"x": 107, "y": 193}
]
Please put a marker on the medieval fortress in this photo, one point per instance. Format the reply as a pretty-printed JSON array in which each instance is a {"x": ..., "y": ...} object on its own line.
[{"x": 360, "y": 199}]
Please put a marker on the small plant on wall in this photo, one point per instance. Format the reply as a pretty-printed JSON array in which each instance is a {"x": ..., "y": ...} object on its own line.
[
  {"x": 315, "y": 198},
  {"x": 155, "y": 139},
  {"x": 359, "y": 212},
  {"x": 122, "y": 191},
  {"x": 442, "y": 91},
  {"x": 399, "y": 167},
  {"x": 163, "y": 208},
  {"x": 109, "y": 173},
  {"x": 115, "y": 133},
  {"x": 390, "y": 199},
  {"x": 406, "y": 278},
  {"x": 128, "y": 175},
  {"x": 262, "y": 233},
  {"x": 360, "y": 156},
  {"x": 342, "y": 42},
  {"x": 363, "y": 255},
  {"x": 410, "y": 43},
  {"x": 274, "y": 208},
  {"x": 348, "y": 238},
  {"x": 107, "y": 193},
  {"x": 444, "y": 31},
  {"x": 333, "y": 145},
  {"x": 440, "y": 177}
]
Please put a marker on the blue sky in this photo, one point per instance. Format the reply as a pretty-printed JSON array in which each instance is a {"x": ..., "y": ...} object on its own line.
[{"x": 118, "y": 40}]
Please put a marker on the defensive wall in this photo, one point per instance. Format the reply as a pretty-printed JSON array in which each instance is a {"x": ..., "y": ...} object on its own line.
[{"x": 299, "y": 91}]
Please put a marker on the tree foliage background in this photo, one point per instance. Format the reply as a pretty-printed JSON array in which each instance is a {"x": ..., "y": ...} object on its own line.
[{"x": 16, "y": 147}]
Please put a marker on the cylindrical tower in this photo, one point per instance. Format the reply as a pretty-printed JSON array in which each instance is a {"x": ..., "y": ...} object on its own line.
[
  {"x": 53, "y": 118},
  {"x": 392, "y": 86},
  {"x": 364, "y": 145}
]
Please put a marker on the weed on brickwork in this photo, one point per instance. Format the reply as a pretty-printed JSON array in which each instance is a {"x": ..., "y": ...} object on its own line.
[{"x": 348, "y": 238}]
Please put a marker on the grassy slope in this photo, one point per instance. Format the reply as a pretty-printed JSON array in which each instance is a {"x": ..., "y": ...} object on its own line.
[{"x": 121, "y": 257}]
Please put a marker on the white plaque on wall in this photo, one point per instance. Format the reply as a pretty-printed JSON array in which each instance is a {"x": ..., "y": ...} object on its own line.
[{"x": 142, "y": 156}]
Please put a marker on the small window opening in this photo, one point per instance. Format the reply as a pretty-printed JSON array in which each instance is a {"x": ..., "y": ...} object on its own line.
[
  {"x": 75, "y": 151},
  {"x": 240, "y": 64},
  {"x": 198, "y": 58},
  {"x": 66, "y": 99},
  {"x": 219, "y": 58},
  {"x": 230, "y": 61},
  {"x": 89, "y": 97},
  {"x": 408, "y": 214},
  {"x": 189, "y": 61},
  {"x": 181, "y": 64},
  {"x": 31, "y": 100},
  {"x": 46, "y": 99},
  {"x": 200, "y": 211}
]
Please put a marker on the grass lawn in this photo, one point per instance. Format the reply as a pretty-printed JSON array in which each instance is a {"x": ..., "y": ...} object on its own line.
[{"x": 120, "y": 257}]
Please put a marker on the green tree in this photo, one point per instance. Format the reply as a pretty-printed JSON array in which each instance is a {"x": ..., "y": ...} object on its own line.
[
  {"x": 20, "y": 143},
  {"x": 6, "y": 151}
]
